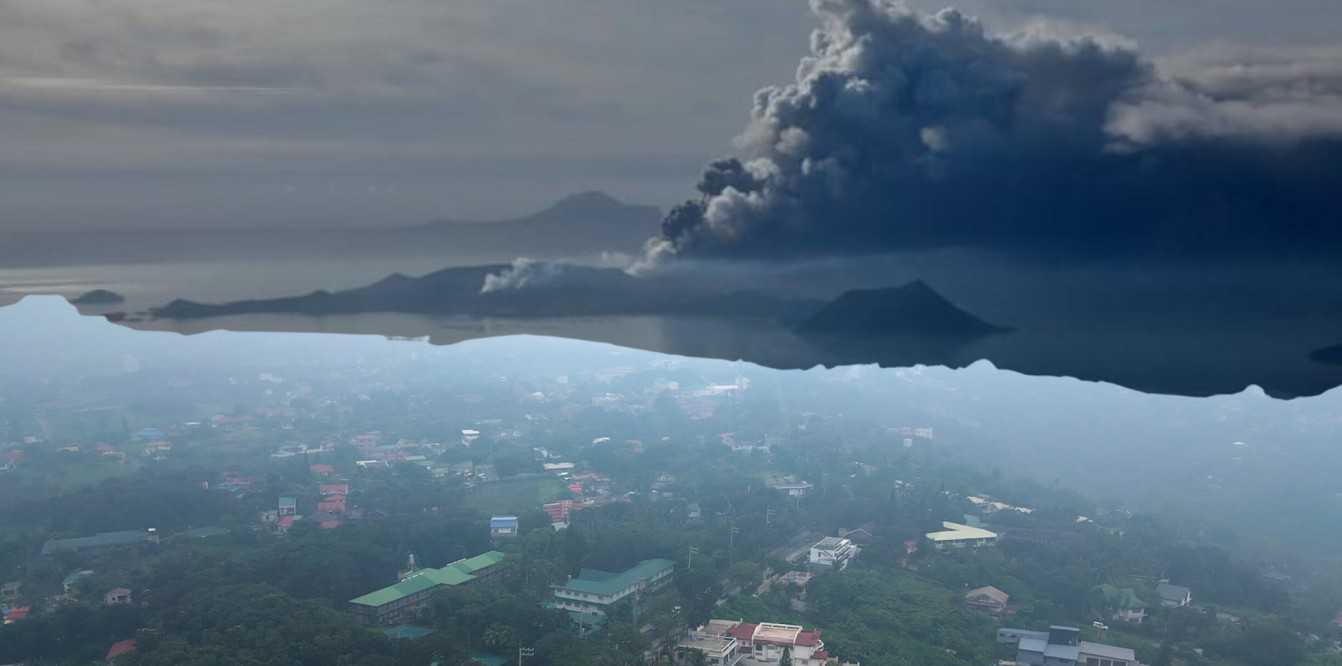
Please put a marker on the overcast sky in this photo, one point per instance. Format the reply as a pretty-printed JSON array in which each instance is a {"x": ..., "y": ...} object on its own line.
[{"x": 134, "y": 113}]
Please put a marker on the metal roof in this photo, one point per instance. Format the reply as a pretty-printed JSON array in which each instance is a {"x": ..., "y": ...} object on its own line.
[
  {"x": 1032, "y": 644},
  {"x": 1107, "y": 651},
  {"x": 958, "y": 532},
  {"x": 1173, "y": 592},
  {"x": 606, "y": 583},
  {"x": 456, "y": 573},
  {"x": 1063, "y": 652}
]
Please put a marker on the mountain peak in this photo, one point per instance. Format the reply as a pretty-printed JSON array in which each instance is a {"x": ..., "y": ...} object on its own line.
[
  {"x": 910, "y": 309},
  {"x": 589, "y": 200}
]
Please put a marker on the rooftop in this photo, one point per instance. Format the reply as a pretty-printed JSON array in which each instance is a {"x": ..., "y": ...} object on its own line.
[
  {"x": 595, "y": 581},
  {"x": 1107, "y": 651},
  {"x": 990, "y": 592},
  {"x": 958, "y": 532},
  {"x": 1063, "y": 652},
  {"x": 1173, "y": 592},
  {"x": 456, "y": 573},
  {"x": 708, "y": 644},
  {"x": 830, "y": 543},
  {"x": 1032, "y": 644}
]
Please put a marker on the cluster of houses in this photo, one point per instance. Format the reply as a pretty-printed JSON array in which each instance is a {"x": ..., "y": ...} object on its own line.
[
  {"x": 1062, "y": 646},
  {"x": 740, "y": 643}
]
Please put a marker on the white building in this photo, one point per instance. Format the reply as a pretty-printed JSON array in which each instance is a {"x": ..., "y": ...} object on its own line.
[
  {"x": 717, "y": 650},
  {"x": 763, "y": 644},
  {"x": 956, "y": 535},
  {"x": 833, "y": 553}
]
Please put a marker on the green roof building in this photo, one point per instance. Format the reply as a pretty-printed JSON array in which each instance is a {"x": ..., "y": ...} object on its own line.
[
  {"x": 400, "y": 603},
  {"x": 595, "y": 591}
]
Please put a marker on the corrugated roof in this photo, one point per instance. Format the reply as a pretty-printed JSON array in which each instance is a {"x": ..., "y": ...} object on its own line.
[
  {"x": 481, "y": 561},
  {"x": 957, "y": 532},
  {"x": 595, "y": 581},
  {"x": 1032, "y": 644},
  {"x": 1107, "y": 651},
  {"x": 453, "y": 574},
  {"x": 990, "y": 592},
  {"x": 1172, "y": 592},
  {"x": 1063, "y": 652}
]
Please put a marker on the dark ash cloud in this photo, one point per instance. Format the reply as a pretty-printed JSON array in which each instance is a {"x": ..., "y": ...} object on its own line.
[{"x": 906, "y": 130}]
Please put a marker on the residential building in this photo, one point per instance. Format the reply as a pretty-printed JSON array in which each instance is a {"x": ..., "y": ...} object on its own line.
[
  {"x": 502, "y": 527},
  {"x": 1173, "y": 596},
  {"x": 333, "y": 489},
  {"x": 71, "y": 582},
  {"x": 956, "y": 535},
  {"x": 118, "y": 596},
  {"x": 402, "y": 602},
  {"x": 1127, "y": 606},
  {"x": 988, "y": 599},
  {"x": 595, "y": 591},
  {"x": 1062, "y": 646},
  {"x": 288, "y": 506},
  {"x": 332, "y": 504},
  {"x": 558, "y": 513},
  {"x": 1099, "y": 654},
  {"x": 833, "y": 553},
  {"x": 796, "y": 579},
  {"x": 9, "y": 592},
  {"x": 717, "y": 650},
  {"x": 764, "y": 643},
  {"x": 791, "y": 487}
]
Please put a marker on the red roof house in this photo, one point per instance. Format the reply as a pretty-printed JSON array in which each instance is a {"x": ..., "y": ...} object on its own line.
[
  {"x": 119, "y": 648},
  {"x": 328, "y": 489},
  {"x": 335, "y": 504}
]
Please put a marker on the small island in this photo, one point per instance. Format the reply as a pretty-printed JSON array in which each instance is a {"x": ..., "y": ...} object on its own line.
[{"x": 99, "y": 297}]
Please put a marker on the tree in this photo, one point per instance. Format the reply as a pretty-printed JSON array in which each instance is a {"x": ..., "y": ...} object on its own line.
[
  {"x": 691, "y": 657},
  {"x": 499, "y": 637},
  {"x": 786, "y": 659}
]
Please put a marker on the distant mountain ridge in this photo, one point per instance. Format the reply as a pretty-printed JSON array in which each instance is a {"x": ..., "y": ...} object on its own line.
[
  {"x": 913, "y": 312},
  {"x": 561, "y": 290},
  {"x": 586, "y": 224}
]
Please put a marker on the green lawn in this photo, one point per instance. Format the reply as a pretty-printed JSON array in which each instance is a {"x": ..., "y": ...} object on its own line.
[{"x": 515, "y": 496}]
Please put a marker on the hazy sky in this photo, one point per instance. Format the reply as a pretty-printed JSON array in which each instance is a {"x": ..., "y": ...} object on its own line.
[{"x": 344, "y": 112}]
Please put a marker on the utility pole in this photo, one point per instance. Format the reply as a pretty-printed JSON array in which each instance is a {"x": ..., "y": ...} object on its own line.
[
  {"x": 524, "y": 652},
  {"x": 731, "y": 543}
]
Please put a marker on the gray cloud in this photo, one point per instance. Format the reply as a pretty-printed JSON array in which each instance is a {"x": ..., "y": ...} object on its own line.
[
  {"x": 134, "y": 112},
  {"x": 904, "y": 129},
  {"x": 470, "y": 109}
]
